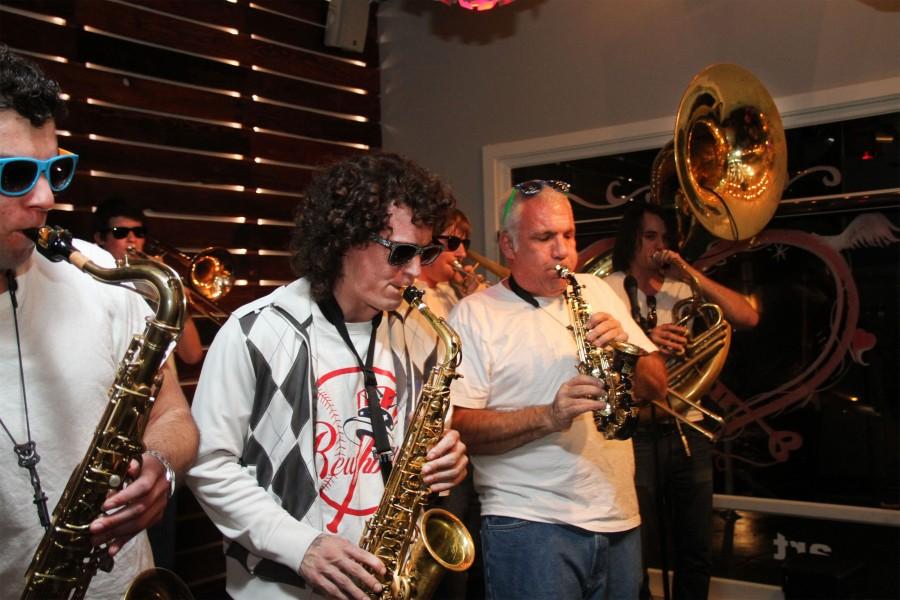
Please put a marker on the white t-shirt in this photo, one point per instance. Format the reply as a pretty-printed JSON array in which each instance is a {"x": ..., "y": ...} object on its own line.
[
  {"x": 350, "y": 482},
  {"x": 669, "y": 294},
  {"x": 516, "y": 356},
  {"x": 74, "y": 332}
]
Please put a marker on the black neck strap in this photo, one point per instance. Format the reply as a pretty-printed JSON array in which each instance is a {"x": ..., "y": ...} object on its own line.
[
  {"x": 26, "y": 452},
  {"x": 333, "y": 313},
  {"x": 522, "y": 292}
]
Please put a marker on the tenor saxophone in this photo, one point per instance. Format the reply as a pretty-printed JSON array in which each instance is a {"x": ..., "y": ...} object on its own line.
[
  {"x": 65, "y": 561},
  {"x": 418, "y": 546},
  {"x": 613, "y": 364}
]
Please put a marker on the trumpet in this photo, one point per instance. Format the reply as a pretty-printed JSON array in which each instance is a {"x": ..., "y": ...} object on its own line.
[
  {"x": 210, "y": 274},
  {"x": 472, "y": 280}
]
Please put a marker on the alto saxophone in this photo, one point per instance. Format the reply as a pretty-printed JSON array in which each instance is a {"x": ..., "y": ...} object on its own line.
[
  {"x": 65, "y": 560},
  {"x": 613, "y": 365},
  {"x": 417, "y": 546}
]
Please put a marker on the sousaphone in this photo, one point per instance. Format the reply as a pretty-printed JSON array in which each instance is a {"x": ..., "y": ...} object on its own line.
[{"x": 723, "y": 173}]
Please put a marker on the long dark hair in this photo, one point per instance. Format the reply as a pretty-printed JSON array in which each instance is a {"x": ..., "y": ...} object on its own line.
[{"x": 629, "y": 234}]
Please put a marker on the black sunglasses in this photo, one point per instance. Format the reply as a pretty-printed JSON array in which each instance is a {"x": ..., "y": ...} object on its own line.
[
  {"x": 120, "y": 233},
  {"x": 400, "y": 253},
  {"x": 19, "y": 174},
  {"x": 452, "y": 242},
  {"x": 533, "y": 187}
]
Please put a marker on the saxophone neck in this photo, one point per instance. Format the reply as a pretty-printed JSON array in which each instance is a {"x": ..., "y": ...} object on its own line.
[{"x": 446, "y": 335}]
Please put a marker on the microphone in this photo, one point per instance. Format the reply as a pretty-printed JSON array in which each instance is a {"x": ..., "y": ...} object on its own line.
[{"x": 631, "y": 291}]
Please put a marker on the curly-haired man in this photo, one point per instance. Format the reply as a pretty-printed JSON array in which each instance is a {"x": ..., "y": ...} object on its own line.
[
  {"x": 299, "y": 386},
  {"x": 62, "y": 336}
]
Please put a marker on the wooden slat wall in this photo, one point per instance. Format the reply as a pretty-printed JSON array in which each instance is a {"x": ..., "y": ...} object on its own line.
[{"x": 213, "y": 115}]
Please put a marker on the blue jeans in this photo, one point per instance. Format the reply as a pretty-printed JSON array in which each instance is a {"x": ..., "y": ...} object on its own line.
[
  {"x": 525, "y": 559},
  {"x": 685, "y": 485}
]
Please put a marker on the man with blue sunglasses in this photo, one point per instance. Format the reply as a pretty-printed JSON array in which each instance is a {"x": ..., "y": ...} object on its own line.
[{"x": 62, "y": 336}]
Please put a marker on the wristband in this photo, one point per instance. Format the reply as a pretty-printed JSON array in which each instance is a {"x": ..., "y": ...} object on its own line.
[{"x": 170, "y": 472}]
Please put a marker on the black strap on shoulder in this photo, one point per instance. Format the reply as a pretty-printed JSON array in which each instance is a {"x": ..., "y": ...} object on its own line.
[
  {"x": 383, "y": 453},
  {"x": 522, "y": 292}
]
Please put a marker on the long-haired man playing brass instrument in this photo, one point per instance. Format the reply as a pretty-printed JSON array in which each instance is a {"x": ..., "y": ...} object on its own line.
[
  {"x": 651, "y": 278},
  {"x": 559, "y": 511},
  {"x": 297, "y": 385},
  {"x": 62, "y": 337}
]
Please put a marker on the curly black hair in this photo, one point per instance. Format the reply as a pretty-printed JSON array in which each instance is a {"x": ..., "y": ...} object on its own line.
[
  {"x": 348, "y": 202},
  {"x": 629, "y": 234},
  {"x": 25, "y": 88}
]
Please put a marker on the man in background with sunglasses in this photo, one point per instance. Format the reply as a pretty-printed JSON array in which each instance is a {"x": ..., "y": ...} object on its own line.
[
  {"x": 645, "y": 278},
  {"x": 62, "y": 337},
  {"x": 439, "y": 295},
  {"x": 119, "y": 226},
  {"x": 305, "y": 392},
  {"x": 559, "y": 510}
]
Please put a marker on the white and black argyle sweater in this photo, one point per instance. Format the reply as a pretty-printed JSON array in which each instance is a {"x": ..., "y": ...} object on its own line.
[{"x": 255, "y": 407}]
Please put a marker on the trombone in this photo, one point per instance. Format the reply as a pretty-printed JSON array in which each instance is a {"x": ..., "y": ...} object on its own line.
[{"x": 210, "y": 275}]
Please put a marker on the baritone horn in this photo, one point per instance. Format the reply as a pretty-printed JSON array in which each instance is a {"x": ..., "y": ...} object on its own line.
[
  {"x": 210, "y": 274},
  {"x": 694, "y": 369}
]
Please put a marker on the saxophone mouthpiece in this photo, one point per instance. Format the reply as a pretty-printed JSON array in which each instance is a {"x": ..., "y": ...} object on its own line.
[
  {"x": 54, "y": 243},
  {"x": 412, "y": 294}
]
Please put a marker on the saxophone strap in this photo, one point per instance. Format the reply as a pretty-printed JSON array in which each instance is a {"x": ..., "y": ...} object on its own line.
[
  {"x": 383, "y": 453},
  {"x": 522, "y": 293},
  {"x": 631, "y": 288},
  {"x": 26, "y": 452}
]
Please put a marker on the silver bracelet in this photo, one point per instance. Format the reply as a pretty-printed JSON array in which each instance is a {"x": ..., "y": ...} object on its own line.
[{"x": 170, "y": 472}]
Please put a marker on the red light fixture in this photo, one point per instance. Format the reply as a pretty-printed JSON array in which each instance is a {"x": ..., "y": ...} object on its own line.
[{"x": 477, "y": 5}]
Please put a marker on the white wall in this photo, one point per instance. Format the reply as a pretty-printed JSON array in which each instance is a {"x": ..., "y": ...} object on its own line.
[{"x": 454, "y": 81}]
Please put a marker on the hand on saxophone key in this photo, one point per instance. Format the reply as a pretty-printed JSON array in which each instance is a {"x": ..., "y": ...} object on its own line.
[
  {"x": 134, "y": 508},
  {"x": 447, "y": 462},
  {"x": 581, "y": 394},
  {"x": 337, "y": 568},
  {"x": 604, "y": 329}
]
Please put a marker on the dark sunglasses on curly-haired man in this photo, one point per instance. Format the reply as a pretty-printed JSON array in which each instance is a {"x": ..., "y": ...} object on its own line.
[{"x": 400, "y": 253}]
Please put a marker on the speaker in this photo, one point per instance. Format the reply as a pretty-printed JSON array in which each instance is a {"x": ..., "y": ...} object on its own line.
[{"x": 346, "y": 24}]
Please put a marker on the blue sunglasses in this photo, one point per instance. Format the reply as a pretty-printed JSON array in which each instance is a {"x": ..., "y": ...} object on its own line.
[{"x": 19, "y": 174}]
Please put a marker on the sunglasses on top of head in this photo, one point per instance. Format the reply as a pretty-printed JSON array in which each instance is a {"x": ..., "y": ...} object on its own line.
[
  {"x": 533, "y": 187},
  {"x": 452, "y": 242},
  {"x": 120, "y": 233},
  {"x": 400, "y": 253},
  {"x": 19, "y": 174}
]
